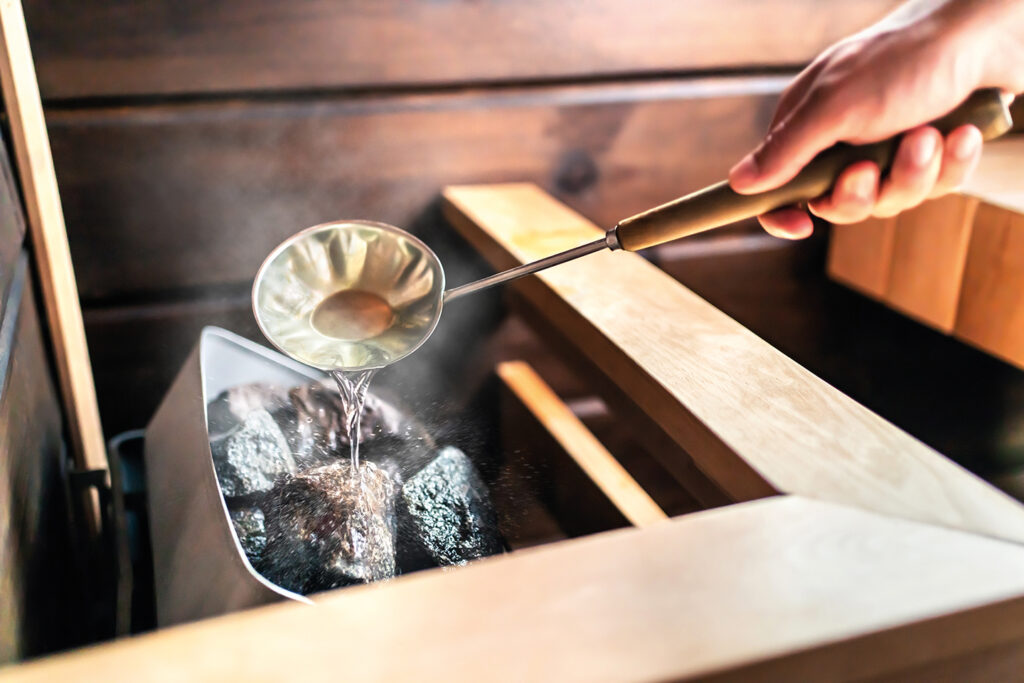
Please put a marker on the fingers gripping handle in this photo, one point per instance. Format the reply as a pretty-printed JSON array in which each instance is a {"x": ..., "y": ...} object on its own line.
[{"x": 719, "y": 204}]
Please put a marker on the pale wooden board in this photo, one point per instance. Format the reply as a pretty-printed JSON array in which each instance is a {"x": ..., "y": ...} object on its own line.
[
  {"x": 999, "y": 178},
  {"x": 580, "y": 444},
  {"x": 753, "y": 420},
  {"x": 775, "y": 586},
  {"x": 49, "y": 239},
  {"x": 928, "y": 256},
  {"x": 860, "y": 255},
  {"x": 991, "y": 313}
]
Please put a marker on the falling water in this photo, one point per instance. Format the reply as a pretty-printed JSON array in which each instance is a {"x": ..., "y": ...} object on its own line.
[{"x": 353, "y": 386}]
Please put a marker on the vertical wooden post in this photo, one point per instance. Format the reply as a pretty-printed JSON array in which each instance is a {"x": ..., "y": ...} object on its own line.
[{"x": 49, "y": 238}]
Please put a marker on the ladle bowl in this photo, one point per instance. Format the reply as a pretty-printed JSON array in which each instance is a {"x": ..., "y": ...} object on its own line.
[{"x": 349, "y": 295}]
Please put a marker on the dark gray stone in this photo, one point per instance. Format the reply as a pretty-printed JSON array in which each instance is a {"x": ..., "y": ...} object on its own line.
[
  {"x": 329, "y": 527},
  {"x": 251, "y": 457},
  {"x": 250, "y": 526},
  {"x": 320, "y": 435},
  {"x": 450, "y": 510},
  {"x": 228, "y": 410}
]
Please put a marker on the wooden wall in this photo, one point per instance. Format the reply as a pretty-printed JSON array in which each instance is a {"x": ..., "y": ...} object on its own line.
[{"x": 191, "y": 137}]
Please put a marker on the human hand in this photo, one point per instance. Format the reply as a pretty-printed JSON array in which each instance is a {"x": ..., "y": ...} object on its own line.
[{"x": 911, "y": 68}]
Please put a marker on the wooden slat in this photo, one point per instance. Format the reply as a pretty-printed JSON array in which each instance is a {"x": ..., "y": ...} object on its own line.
[
  {"x": 860, "y": 255},
  {"x": 991, "y": 313},
  {"x": 95, "y": 48},
  {"x": 928, "y": 256},
  {"x": 781, "y": 589},
  {"x": 579, "y": 444},
  {"x": 754, "y": 420},
  {"x": 999, "y": 178},
  {"x": 678, "y": 471},
  {"x": 924, "y": 268},
  {"x": 49, "y": 239},
  {"x": 191, "y": 195}
]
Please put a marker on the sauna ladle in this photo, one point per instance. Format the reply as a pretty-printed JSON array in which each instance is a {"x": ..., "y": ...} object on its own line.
[
  {"x": 386, "y": 263},
  {"x": 719, "y": 204}
]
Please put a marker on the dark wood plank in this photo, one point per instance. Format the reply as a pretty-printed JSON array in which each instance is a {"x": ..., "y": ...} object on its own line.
[
  {"x": 12, "y": 221},
  {"x": 138, "y": 350},
  {"x": 37, "y": 561},
  {"x": 95, "y": 47},
  {"x": 195, "y": 195}
]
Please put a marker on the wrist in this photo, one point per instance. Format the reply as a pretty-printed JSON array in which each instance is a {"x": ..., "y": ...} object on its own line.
[{"x": 992, "y": 31}]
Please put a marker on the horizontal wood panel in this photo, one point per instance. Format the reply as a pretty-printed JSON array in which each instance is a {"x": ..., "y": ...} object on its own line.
[
  {"x": 177, "y": 196},
  {"x": 100, "y": 48},
  {"x": 785, "y": 589}
]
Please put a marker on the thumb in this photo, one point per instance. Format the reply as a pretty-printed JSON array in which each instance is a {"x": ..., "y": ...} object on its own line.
[{"x": 812, "y": 126}]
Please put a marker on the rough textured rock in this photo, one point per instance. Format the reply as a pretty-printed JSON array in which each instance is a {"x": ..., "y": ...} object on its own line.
[
  {"x": 303, "y": 519},
  {"x": 228, "y": 410},
  {"x": 451, "y": 511},
  {"x": 320, "y": 434},
  {"x": 249, "y": 458},
  {"x": 330, "y": 526},
  {"x": 250, "y": 525}
]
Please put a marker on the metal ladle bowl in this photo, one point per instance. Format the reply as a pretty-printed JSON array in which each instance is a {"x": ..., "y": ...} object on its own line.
[{"x": 374, "y": 265}]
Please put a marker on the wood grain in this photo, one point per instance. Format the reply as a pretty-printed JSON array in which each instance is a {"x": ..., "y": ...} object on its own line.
[
  {"x": 991, "y": 313},
  {"x": 753, "y": 420},
  {"x": 49, "y": 239},
  {"x": 997, "y": 180},
  {"x": 860, "y": 256},
  {"x": 780, "y": 589},
  {"x": 173, "y": 197},
  {"x": 580, "y": 445},
  {"x": 678, "y": 471},
  {"x": 93, "y": 48},
  {"x": 928, "y": 256}
]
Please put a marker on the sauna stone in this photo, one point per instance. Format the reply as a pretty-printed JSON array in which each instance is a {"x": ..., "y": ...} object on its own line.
[
  {"x": 330, "y": 526},
  {"x": 228, "y": 410},
  {"x": 450, "y": 510},
  {"x": 319, "y": 435},
  {"x": 400, "y": 457},
  {"x": 251, "y": 457},
  {"x": 250, "y": 525}
]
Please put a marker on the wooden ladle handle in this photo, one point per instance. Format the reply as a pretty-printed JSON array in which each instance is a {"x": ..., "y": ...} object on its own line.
[{"x": 719, "y": 204}]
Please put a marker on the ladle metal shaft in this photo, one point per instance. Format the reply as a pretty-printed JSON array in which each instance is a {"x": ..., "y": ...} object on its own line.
[
  {"x": 718, "y": 205},
  {"x": 531, "y": 268}
]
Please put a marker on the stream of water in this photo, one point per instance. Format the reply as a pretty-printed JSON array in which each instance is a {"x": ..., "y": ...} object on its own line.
[{"x": 353, "y": 386}]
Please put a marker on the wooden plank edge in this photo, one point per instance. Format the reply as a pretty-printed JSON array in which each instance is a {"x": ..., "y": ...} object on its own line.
[
  {"x": 946, "y": 494},
  {"x": 591, "y": 591},
  {"x": 737, "y": 478},
  {"x": 580, "y": 444},
  {"x": 49, "y": 239}
]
